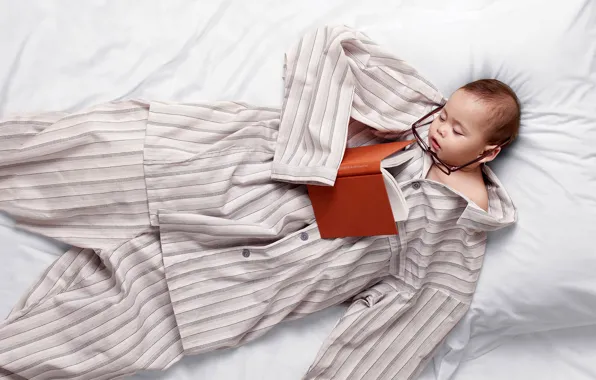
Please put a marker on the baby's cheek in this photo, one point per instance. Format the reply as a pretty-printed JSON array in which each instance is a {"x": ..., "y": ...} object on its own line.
[{"x": 465, "y": 153}]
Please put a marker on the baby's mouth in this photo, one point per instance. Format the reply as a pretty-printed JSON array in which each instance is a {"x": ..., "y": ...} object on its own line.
[{"x": 434, "y": 144}]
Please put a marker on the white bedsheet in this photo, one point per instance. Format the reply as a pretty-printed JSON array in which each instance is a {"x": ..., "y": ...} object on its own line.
[{"x": 534, "y": 315}]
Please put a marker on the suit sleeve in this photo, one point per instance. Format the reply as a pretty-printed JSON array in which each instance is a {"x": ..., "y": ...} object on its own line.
[
  {"x": 77, "y": 178},
  {"x": 332, "y": 74},
  {"x": 387, "y": 334}
]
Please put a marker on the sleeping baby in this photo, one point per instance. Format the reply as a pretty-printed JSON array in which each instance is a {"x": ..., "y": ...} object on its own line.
[
  {"x": 192, "y": 229},
  {"x": 470, "y": 130}
]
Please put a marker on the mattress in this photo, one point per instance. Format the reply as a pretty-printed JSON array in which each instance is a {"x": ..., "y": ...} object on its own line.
[{"x": 534, "y": 312}]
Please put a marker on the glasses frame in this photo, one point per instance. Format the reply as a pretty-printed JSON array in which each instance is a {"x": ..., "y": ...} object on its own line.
[{"x": 444, "y": 167}]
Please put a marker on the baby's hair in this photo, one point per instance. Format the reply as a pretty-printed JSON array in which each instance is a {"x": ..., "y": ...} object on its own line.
[{"x": 505, "y": 107}]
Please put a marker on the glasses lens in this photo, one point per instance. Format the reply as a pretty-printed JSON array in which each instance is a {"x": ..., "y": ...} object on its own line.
[
  {"x": 420, "y": 141},
  {"x": 419, "y": 138},
  {"x": 424, "y": 121}
]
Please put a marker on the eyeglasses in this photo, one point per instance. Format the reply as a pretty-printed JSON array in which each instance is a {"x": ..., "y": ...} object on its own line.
[{"x": 445, "y": 168}]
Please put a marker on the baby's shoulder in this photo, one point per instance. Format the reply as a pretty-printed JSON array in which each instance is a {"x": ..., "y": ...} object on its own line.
[
  {"x": 479, "y": 195},
  {"x": 474, "y": 189}
]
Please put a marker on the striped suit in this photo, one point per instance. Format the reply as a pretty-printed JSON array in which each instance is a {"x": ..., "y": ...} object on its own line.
[{"x": 192, "y": 229}]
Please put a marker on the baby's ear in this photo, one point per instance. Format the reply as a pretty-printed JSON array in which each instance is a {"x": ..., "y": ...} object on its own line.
[{"x": 490, "y": 152}]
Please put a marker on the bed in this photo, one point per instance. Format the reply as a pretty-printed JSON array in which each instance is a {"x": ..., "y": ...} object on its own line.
[{"x": 534, "y": 313}]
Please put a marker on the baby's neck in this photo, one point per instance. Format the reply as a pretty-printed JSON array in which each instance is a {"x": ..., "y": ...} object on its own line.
[
  {"x": 460, "y": 177},
  {"x": 469, "y": 182}
]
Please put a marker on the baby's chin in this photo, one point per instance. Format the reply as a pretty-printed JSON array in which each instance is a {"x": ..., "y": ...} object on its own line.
[{"x": 446, "y": 160}]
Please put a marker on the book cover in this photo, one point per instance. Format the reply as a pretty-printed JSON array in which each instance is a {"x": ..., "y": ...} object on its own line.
[{"x": 365, "y": 200}]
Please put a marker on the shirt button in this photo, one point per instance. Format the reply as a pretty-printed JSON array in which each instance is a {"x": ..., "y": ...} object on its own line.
[
  {"x": 416, "y": 185},
  {"x": 246, "y": 252},
  {"x": 304, "y": 236}
]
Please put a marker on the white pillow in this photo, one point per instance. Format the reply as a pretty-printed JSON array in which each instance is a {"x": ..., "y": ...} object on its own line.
[{"x": 540, "y": 274}]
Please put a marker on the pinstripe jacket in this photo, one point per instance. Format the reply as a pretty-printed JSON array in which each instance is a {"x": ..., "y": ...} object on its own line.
[
  {"x": 215, "y": 193},
  {"x": 238, "y": 196}
]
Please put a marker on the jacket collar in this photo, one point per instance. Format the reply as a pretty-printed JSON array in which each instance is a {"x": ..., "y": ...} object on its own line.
[{"x": 501, "y": 210}]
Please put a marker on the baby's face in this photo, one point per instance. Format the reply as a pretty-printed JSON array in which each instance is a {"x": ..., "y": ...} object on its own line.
[{"x": 458, "y": 134}]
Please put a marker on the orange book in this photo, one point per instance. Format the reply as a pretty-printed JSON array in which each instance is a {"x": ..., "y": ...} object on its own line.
[{"x": 365, "y": 200}]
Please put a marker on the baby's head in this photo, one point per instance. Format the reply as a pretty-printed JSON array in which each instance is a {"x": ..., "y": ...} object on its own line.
[{"x": 476, "y": 119}]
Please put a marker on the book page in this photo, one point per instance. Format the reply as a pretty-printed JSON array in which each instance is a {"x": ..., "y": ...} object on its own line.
[{"x": 399, "y": 207}]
